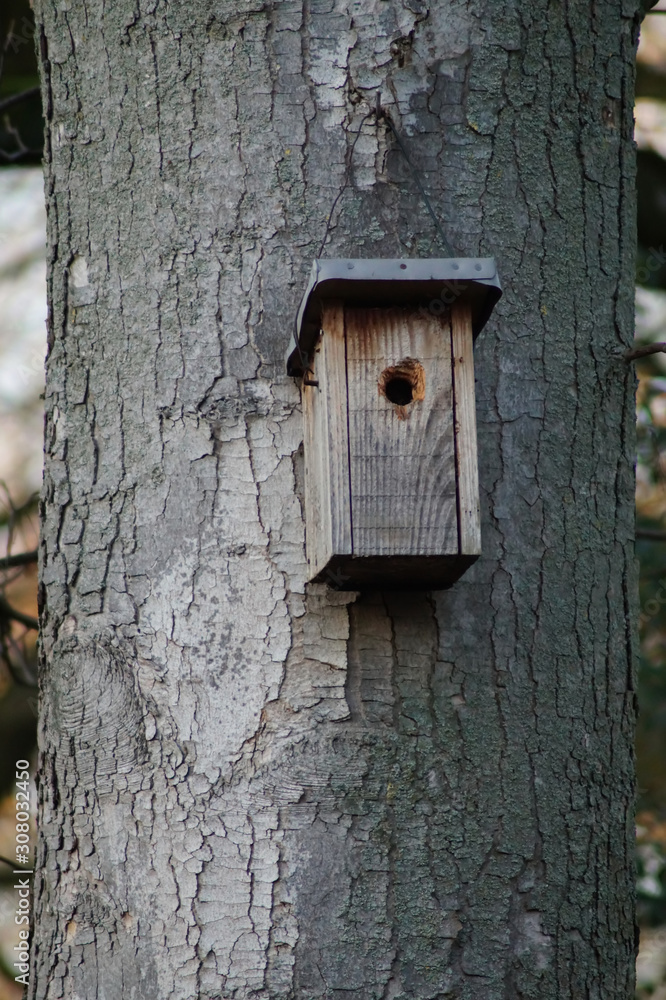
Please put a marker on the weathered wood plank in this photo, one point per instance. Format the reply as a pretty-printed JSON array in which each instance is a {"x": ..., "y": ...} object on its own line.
[
  {"x": 327, "y": 495},
  {"x": 317, "y": 482},
  {"x": 402, "y": 460},
  {"x": 333, "y": 325},
  {"x": 465, "y": 429}
]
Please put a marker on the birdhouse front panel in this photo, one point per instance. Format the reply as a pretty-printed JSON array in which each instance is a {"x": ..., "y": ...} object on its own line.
[
  {"x": 391, "y": 481},
  {"x": 401, "y": 433}
]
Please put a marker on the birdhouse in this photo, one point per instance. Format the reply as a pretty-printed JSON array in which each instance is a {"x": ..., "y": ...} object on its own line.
[{"x": 385, "y": 354}]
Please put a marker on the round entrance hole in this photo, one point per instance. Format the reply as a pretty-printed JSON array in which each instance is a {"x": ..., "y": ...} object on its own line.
[
  {"x": 402, "y": 385},
  {"x": 399, "y": 390}
]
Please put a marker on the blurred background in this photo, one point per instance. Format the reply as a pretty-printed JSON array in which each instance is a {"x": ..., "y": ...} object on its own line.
[
  {"x": 651, "y": 505},
  {"x": 22, "y": 346}
]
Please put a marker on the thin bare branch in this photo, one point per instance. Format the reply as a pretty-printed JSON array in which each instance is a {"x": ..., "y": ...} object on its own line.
[
  {"x": 13, "y": 656},
  {"x": 10, "y": 514},
  {"x": 650, "y": 535},
  {"x": 19, "y": 559},
  {"x": 658, "y": 347},
  {"x": 9, "y": 613},
  {"x": 9, "y": 102}
]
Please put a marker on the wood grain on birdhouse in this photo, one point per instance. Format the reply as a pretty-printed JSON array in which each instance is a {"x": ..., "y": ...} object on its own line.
[
  {"x": 401, "y": 441},
  {"x": 327, "y": 495},
  {"x": 465, "y": 429},
  {"x": 391, "y": 483}
]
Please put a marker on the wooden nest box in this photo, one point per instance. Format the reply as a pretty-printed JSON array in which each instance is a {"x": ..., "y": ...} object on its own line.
[{"x": 385, "y": 354}]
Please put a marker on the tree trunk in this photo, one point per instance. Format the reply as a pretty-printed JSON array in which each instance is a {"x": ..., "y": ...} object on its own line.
[{"x": 250, "y": 787}]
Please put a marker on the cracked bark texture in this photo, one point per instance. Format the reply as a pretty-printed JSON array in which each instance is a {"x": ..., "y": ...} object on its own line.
[{"x": 254, "y": 788}]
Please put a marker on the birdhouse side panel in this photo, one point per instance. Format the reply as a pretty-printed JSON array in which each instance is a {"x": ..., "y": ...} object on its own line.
[
  {"x": 326, "y": 453},
  {"x": 401, "y": 434},
  {"x": 317, "y": 492},
  {"x": 465, "y": 429}
]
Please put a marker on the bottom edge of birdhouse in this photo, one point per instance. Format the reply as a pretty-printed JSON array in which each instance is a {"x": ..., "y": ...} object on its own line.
[{"x": 348, "y": 572}]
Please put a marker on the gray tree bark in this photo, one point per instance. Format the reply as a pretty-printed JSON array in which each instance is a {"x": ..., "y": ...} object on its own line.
[{"x": 250, "y": 787}]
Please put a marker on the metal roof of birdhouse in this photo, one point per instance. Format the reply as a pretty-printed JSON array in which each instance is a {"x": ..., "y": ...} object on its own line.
[{"x": 386, "y": 283}]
